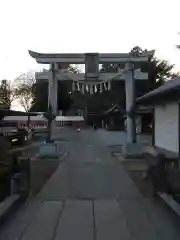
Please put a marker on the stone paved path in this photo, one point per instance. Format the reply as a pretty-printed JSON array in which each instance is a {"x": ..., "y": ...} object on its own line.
[{"x": 90, "y": 197}]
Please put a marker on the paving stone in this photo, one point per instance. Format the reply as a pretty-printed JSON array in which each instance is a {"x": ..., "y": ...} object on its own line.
[
  {"x": 76, "y": 221},
  {"x": 44, "y": 223},
  {"x": 14, "y": 228},
  {"x": 88, "y": 181},
  {"x": 136, "y": 219},
  {"x": 109, "y": 221},
  {"x": 145, "y": 221},
  {"x": 162, "y": 219}
]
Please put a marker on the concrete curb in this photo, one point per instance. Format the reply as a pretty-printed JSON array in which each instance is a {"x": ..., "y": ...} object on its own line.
[
  {"x": 10, "y": 205},
  {"x": 170, "y": 202}
]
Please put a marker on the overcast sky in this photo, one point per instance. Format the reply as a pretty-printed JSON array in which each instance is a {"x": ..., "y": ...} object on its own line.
[{"x": 84, "y": 26}]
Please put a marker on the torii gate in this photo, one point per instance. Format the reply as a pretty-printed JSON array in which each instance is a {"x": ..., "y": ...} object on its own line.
[{"x": 93, "y": 80}]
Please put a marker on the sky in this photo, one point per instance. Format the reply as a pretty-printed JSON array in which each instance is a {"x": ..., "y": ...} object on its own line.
[{"x": 85, "y": 26}]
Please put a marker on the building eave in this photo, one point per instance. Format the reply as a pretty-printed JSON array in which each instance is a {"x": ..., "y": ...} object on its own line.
[
  {"x": 170, "y": 90},
  {"x": 161, "y": 98}
]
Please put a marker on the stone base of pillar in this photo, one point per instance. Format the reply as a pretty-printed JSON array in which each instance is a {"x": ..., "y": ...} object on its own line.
[
  {"x": 132, "y": 150},
  {"x": 49, "y": 150}
]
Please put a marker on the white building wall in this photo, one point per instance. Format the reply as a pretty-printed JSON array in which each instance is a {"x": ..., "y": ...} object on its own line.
[{"x": 166, "y": 127}]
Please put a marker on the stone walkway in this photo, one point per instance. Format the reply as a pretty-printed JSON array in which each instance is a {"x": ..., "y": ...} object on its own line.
[{"x": 91, "y": 197}]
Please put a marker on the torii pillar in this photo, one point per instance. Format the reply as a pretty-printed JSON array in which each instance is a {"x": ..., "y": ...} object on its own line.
[
  {"x": 53, "y": 87},
  {"x": 130, "y": 100},
  {"x": 52, "y": 94},
  {"x": 131, "y": 149}
]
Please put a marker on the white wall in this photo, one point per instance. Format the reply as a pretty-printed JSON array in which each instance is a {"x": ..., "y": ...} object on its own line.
[{"x": 166, "y": 127}]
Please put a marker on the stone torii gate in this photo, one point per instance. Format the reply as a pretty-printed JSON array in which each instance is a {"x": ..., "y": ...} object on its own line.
[{"x": 93, "y": 80}]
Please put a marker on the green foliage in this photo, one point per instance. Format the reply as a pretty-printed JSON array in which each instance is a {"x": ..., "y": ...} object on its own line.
[{"x": 159, "y": 70}]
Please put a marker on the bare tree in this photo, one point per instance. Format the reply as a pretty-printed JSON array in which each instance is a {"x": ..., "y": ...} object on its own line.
[
  {"x": 25, "y": 78},
  {"x": 24, "y": 90}
]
